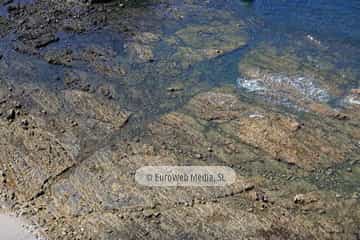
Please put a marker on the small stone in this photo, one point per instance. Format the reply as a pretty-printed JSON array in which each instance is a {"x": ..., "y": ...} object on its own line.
[
  {"x": 174, "y": 89},
  {"x": 11, "y": 115},
  {"x": 322, "y": 211},
  {"x": 355, "y": 195},
  {"x": 2, "y": 179},
  {"x": 18, "y": 105},
  {"x": 148, "y": 213},
  {"x": 249, "y": 187},
  {"x": 294, "y": 126},
  {"x": 260, "y": 196},
  {"x": 330, "y": 172},
  {"x": 299, "y": 199},
  {"x": 24, "y": 123},
  {"x": 250, "y": 210}
]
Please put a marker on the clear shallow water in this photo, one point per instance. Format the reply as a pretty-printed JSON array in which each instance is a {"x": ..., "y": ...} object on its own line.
[
  {"x": 318, "y": 24},
  {"x": 316, "y": 29}
]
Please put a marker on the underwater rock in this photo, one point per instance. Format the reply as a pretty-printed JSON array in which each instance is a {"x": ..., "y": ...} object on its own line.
[
  {"x": 62, "y": 57},
  {"x": 326, "y": 110},
  {"x": 142, "y": 53},
  {"x": 85, "y": 104},
  {"x": 284, "y": 78},
  {"x": 4, "y": 26},
  {"x": 196, "y": 43},
  {"x": 141, "y": 45}
]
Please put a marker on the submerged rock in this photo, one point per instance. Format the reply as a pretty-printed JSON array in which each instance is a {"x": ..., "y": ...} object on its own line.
[
  {"x": 196, "y": 43},
  {"x": 285, "y": 78}
]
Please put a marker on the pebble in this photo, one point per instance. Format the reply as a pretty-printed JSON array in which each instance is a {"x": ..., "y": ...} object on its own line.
[
  {"x": 11, "y": 115},
  {"x": 299, "y": 198},
  {"x": 322, "y": 211},
  {"x": 294, "y": 126},
  {"x": 330, "y": 172},
  {"x": 24, "y": 123},
  {"x": 249, "y": 187},
  {"x": 174, "y": 89},
  {"x": 148, "y": 213},
  {"x": 18, "y": 105}
]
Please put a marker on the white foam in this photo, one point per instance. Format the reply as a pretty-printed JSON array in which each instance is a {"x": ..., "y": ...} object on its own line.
[
  {"x": 250, "y": 85},
  {"x": 313, "y": 39},
  {"x": 304, "y": 85},
  {"x": 256, "y": 115},
  {"x": 352, "y": 100}
]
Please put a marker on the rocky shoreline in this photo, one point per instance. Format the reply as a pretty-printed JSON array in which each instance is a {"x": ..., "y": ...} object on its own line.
[{"x": 90, "y": 91}]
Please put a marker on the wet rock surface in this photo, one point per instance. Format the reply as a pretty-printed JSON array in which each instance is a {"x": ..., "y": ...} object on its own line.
[{"x": 90, "y": 91}]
